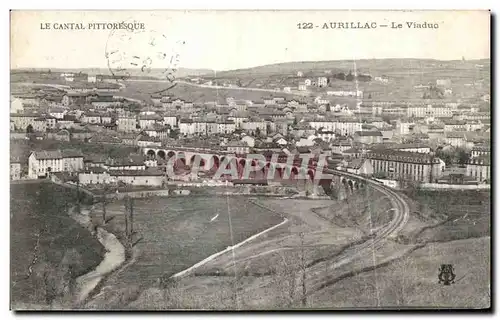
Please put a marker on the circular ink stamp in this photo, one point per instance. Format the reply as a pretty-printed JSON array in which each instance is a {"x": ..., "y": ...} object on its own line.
[{"x": 135, "y": 53}]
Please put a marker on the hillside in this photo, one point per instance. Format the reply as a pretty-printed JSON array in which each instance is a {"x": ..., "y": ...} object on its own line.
[
  {"x": 155, "y": 73},
  {"x": 363, "y": 65}
]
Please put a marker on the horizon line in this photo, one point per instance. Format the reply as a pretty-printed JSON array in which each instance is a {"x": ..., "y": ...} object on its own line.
[{"x": 263, "y": 65}]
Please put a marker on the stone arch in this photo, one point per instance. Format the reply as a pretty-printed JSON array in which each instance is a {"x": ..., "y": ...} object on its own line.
[
  {"x": 192, "y": 159},
  {"x": 214, "y": 162},
  {"x": 310, "y": 173},
  {"x": 151, "y": 154},
  {"x": 280, "y": 171},
  {"x": 162, "y": 155},
  {"x": 242, "y": 162},
  {"x": 170, "y": 154},
  {"x": 197, "y": 160},
  {"x": 180, "y": 159}
]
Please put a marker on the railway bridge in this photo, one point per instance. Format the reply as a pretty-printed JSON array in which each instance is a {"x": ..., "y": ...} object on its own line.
[{"x": 268, "y": 166}]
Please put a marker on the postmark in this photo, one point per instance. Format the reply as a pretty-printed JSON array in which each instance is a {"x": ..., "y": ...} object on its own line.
[{"x": 136, "y": 54}]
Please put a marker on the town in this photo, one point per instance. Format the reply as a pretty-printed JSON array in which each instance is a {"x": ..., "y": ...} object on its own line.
[
  {"x": 299, "y": 163},
  {"x": 428, "y": 142}
]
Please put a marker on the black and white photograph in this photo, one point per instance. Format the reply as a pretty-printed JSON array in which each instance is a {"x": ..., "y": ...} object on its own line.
[{"x": 239, "y": 160}]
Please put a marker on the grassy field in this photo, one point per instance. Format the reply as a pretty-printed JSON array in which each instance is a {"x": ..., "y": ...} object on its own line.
[
  {"x": 40, "y": 208},
  {"x": 178, "y": 232},
  {"x": 413, "y": 281},
  {"x": 469, "y": 214},
  {"x": 142, "y": 90}
]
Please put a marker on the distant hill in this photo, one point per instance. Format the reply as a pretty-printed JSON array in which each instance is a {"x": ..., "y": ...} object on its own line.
[
  {"x": 157, "y": 73},
  {"x": 363, "y": 65}
]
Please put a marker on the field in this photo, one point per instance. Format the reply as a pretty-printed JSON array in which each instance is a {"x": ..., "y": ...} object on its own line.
[
  {"x": 468, "y": 212},
  {"x": 35, "y": 209},
  {"x": 413, "y": 282},
  {"x": 175, "y": 233},
  {"x": 142, "y": 90}
]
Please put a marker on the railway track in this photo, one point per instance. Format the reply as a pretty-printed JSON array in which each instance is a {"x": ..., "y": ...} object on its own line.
[{"x": 400, "y": 218}]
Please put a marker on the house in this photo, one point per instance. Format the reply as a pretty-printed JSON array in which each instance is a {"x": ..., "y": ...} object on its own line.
[
  {"x": 131, "y": 139},
  {"x": 302, "y": 86},
  {"x": 479, "y": 168},
  {"x": 158, "y": 131},
  {"x": 307, "y": 82},
  {"x": 360, "y": 166},
  {"x": 147, "y": 141},
  {"x": 133, "y": 162},
  {"x": 149, "y": 121},
  {"x": 127, "y": 123},
  {"x": 322, "y": 82},
  {"x": 326, "y": 135},
  {"x": 94, "y": 175},
  {"x": 24, "y": 121},
  {"x": 42, "y": 163},
  {"x": 152, "y": 177},
  {"x": 480, "y": 150},
  {"x": 170, "y": 119},
  {"x": 91, "y": 117},
  {"x": 237, "y": 147},
  {"x": 249, "y": 141}
]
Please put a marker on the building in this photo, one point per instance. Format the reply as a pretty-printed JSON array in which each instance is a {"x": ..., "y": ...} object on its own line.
[
  {"x": 368, "y": 137},
  {"x": 443, "y": 82},
  {"x": 127, "y": 124},
  {"x": 41, "y": 163},
  {"x": 170, "y": 120},
  {"x": 479, "y": 168},
  {"x": 24, "y": 121},
  {"x": 360, "y": 166},
  {"x": 322, "y": 82},
  {"x": 15, "y": 168},
  {"x": 152, "y": 177},
  {"x": 302, "y": 86},
  {"x": 193, "y": 127},
  {"x": 480, "y": 150},
  {"x": 405, "y": 165},
  {"x": 149, "y": 121},
  {"x": 94, "y": 175},
  {"x": 326, "y": 135},
  {"x": 429, "y": 111},
  {"x": 344, "y": 127},
  {"x": 237, "y": 147}
]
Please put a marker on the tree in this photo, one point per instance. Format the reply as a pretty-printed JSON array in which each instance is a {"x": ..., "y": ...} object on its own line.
[
  {"x": 257, "y": 132},
  {"x": 29, "y": 129},
  {"x": 462, "y": 157},
  {"x": 174, "y": 133},
  {"x": 349, "y": 77}
]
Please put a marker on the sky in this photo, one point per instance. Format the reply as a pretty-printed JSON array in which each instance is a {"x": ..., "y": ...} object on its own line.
[{"x": 225, "y": 40}]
